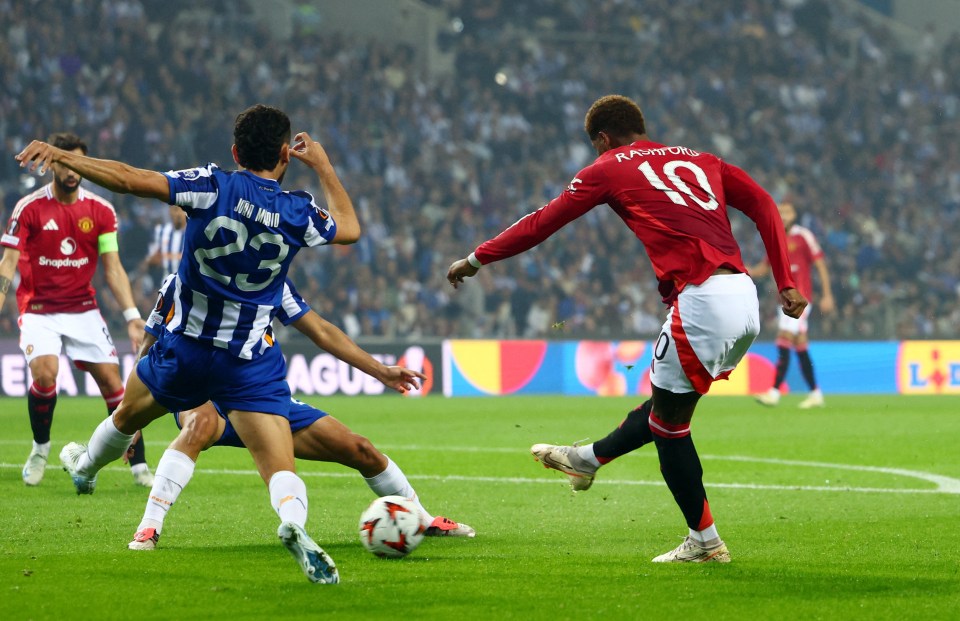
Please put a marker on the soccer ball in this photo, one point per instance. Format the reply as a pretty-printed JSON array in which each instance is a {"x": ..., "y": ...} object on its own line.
[{"x": 392, "y": 527}]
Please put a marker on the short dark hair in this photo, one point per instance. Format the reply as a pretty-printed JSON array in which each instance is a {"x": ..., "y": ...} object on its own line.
[
  {"x": 259, "y": 132},
  {"x": 616, "y": 115},
  {"x": 67, "y": 142}
]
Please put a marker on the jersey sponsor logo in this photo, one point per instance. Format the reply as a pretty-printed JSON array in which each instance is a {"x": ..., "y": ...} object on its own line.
[
  {"x": 191, "y": 174},
  {"x": 85, "y": 224},
  {"x": 61, "y": 263},
  {"x": 572, "y": 188},
  {"x": 68, "y": 246},
  {"x": 51, "y": 225}
]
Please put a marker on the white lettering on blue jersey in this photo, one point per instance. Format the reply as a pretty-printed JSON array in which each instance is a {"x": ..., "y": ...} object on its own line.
[{"x": 241, "y": 235}]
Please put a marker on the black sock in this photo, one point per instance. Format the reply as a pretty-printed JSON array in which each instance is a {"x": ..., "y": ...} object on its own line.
[
  {"x": 632, "y": 433},
  {"x": 139, "y": 455},
  {"x": 806, "y": 366},
  {"x": 41, "y": 415},
  {"x": 783, "y": 363},
  {"x": 681, "y": 469}
]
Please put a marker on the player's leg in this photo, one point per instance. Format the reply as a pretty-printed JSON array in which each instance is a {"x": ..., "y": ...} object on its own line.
[
  {"x": 199, "y": 429},
  {"x": 815, "y": 398},
  {"x": 172, "y": 376},
  {"x": 269, "y": 440},
  {"x": 112, "y": 436},
  {"x": 328, "y": 439},
  {"x": 41, "y": 401},
  {"x": 581, "y": 463},
  {"x": 785, "y": 342},
  {"x": 708, "y": 331},
  {"x": 681, "y": 470},
  {"x": 107, "y": 377},
  {"x": 41, "y": 342},
  {"x": 256, "y": 398}
]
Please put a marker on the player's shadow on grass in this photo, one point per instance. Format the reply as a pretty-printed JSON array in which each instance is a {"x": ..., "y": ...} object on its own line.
[{"x": 802, "y": 583}]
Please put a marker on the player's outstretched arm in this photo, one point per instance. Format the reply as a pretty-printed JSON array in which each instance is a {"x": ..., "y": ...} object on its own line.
[
  {"x": 744, "y": 194},
  {"x": 330, "y": 338},
  {"x": 312, "y": 153},
  {"x": 119, "y": 284},
  {"x": 110, "y": 174},
  {"x": 8, "y": 267},
  {"x": 827, "y": 303}
]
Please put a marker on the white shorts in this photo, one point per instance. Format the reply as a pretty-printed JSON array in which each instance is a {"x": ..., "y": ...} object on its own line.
[
  {"x": 794, "y": 326},
  {"x": 708, "y": 330},
  {"x": 83, "y": 337}
]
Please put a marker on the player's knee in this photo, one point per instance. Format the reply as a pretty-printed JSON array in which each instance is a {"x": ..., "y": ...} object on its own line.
[
  {"x": 199, "y": 430},
  {"x": 365, "y": 453},
  {"x": 44, "y": 374}
]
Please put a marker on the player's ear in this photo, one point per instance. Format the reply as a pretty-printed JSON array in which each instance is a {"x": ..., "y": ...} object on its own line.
[
  {"x": 236, "y": 156},
  {"x": 285, "y": 153}
]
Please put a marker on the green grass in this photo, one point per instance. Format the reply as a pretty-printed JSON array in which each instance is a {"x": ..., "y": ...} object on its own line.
[{"x": 811, "y": 541}]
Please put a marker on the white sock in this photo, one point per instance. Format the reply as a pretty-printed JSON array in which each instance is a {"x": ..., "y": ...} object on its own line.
[
  {"x": 707, "y": 535},
  {"x": 42, "y": 449},
  {"x": 138, "y": 468},
  {"x": 107, "y": 444},
  {"x": 288, "y": 495},
  {"x": 586, "y": 453},
  {"x": 173, "y": 473},
  {"x": 392, "y": 482}
]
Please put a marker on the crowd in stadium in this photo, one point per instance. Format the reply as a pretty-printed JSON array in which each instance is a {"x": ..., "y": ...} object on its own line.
[{"x": 820, "y": 105}]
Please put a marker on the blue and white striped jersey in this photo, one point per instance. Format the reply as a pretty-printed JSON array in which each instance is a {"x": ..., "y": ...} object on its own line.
[
  {"x": 242, "y": 232},
  {"x": 292, "y": 306},
  {"x": 168, "y": 241}
]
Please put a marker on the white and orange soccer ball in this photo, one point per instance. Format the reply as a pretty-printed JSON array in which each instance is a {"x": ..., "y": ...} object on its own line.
[{"x": 392, "y": 527}]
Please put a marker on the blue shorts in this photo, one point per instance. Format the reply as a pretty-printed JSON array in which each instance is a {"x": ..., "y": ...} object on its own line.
[
  {"x": 301, "y": 416},
  {"x": 182, "y": 373}
]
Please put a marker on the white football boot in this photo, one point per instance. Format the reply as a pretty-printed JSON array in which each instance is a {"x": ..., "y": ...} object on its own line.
[
  {"x": 33, "y": 469},
  {"x": 692, "y": 551},
  {"x": 315, "y": 563},
  {"x": 69, "y": 456},
  {"x": 142, "y": 475},
  {"x": 813, "y": 400},
  {"x": 568, "y": 461},
  {"x": 770, "y": 398}
]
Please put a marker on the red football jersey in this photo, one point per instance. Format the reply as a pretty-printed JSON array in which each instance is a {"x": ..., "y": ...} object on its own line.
[
  {"x": 803, "y": 250},
  {"x": 59, "y": 246},
  {"x": 675, "y": 201}
]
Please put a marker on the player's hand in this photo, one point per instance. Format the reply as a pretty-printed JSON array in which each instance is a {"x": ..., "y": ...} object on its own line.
[
  {"x": 459, "y": 270},
  {"x": 792, "y": 302},
  {"x": 135, "y": 330},
  {"x": 38, "y": 156},
  {"x": 309, "y": 151},
  {"x": 401, "y": 379},
  {"x": 827, "y": 305}
]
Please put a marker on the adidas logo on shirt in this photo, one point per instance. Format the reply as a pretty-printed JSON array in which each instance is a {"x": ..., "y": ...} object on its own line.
[{"x": 51, "y": 225}]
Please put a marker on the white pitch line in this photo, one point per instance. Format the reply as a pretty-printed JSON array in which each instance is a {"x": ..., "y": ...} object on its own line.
[{"x": 555, "y": 481}]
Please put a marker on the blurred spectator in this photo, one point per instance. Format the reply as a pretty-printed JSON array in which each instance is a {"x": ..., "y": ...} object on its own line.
[{"x": 814, "y": 99}]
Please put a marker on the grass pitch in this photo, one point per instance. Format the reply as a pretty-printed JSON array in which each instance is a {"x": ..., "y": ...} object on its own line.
[{"x": 849, "y": 512}]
